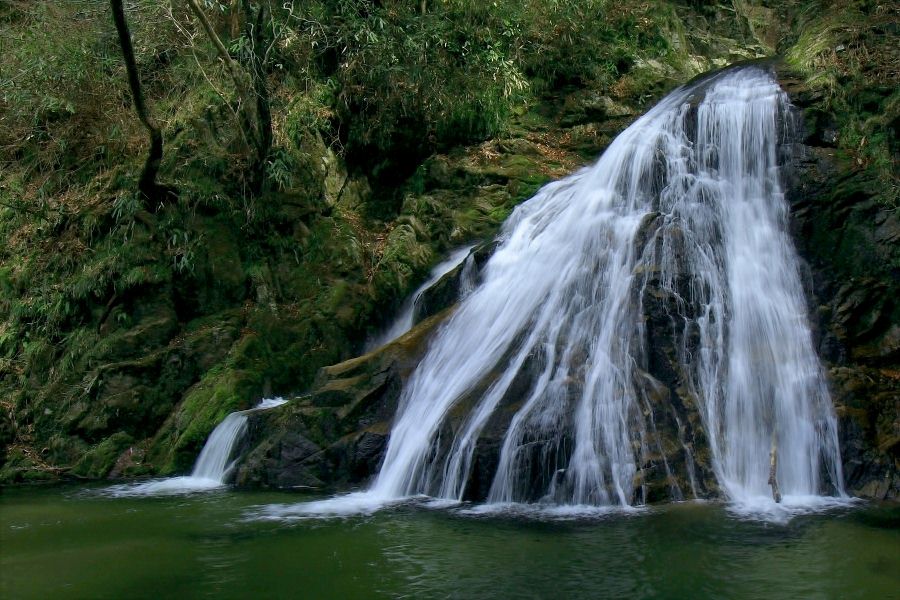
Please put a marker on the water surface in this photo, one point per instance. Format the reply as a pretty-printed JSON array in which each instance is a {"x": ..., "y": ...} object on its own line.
[{"x": 61, "y": 542}]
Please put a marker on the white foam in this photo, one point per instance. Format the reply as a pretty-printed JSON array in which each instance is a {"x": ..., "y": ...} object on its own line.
[
  {"x": 560, "y": 512},
  {"x": 170, "y": 486},
  {"x": 764, "y": 508},
  {"x": 346, "y": 505},
  {"x": 267, "y": 403}
]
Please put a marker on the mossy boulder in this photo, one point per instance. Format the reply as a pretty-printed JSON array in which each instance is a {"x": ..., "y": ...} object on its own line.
[
  {"x": 99, "y": 460},
  {"x": 335, "y": 435}
]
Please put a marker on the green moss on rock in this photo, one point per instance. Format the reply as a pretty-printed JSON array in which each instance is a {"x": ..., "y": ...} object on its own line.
[{"x": 99, "y": 460}]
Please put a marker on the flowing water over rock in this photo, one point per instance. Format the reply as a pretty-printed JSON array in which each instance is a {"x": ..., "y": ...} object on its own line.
[
  {"x": 407, "y": 316},
  {"x": 213, "y": 466},
  {"x": 663, "y": 275}
]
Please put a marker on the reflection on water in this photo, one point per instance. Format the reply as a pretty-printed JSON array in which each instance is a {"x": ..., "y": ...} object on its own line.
[
  {"x": 509, "y": 558},
  {"x": 203, "y": 546}
]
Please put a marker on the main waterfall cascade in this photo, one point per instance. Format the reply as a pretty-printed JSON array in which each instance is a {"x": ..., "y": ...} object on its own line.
[{"x": 685, "y": 204}]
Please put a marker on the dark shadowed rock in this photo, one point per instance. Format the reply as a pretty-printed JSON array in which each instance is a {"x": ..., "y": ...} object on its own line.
[{"x": 851, "y": 243}]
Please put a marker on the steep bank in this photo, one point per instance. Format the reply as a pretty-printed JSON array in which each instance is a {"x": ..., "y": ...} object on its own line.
[
  {"x": 133, "y": 329},
  {"x": 850, "y": 238}
]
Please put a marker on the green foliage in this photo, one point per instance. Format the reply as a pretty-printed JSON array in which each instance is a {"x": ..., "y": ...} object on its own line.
[
  {"x": 63, "y": 93},
  {"x": 594, "y": 41},
  {"x": 446, "y": 76},
  {"x": 384, "y": 78},
  {"x": 848, "y": 54},
  {"x": 281, "y": 168},
  {"x": 182, "y": 246}
]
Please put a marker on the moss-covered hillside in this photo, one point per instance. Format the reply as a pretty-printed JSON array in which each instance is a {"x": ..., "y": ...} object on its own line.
[{"x": 132, "y": 322}]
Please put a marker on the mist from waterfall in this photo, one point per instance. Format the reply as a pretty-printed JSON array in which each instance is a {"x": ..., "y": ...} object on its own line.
[{"x": 686, "y": 201}]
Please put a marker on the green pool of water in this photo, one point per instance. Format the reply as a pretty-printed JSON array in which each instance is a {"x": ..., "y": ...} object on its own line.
[{"x": 63, "y": 543}]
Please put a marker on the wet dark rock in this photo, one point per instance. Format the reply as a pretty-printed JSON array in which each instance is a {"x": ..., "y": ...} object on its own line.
[
  {"x": 484, "y": 466},
  {"x": 850, "y": 243},
  {"x": 868, "y": 402},
  {"x": 446, "y": 292},
  {"x": 368, "y": 453}
]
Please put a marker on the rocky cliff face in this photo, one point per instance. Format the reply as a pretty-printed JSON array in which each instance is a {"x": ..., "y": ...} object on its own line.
[
  {"x": 840, "y": 179},
  {"x": 851, "y": 242}
]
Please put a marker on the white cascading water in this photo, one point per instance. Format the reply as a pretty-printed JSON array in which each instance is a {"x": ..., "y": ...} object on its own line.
[
  {"x": 561, "y": 287},
  {"x": 407, "y": 316},
  {"x": 213, "y": 464},
  {"x": 212, "y": 467},
  {"x": 689, "y": 192}
]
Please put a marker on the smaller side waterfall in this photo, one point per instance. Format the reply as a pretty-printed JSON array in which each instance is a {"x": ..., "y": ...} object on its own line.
[
  {"x": 213, "y": 466},
  {"x": 407, "y": 316}
]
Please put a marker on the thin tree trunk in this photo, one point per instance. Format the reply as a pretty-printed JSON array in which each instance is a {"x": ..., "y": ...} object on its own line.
[
  {"x": 147, "y": 184},
  {"x": 234, "y": 69},
  {"x": 234, "y": 18}
]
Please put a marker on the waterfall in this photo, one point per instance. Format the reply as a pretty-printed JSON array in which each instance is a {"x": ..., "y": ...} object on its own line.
[
  {"x": 212, "y": 467},
  {"x": 688, "y": 197},
  {"x": 408, "y": 311},
  {"x": 213, "y": 464},
  {"x": 660, "y": 280}
]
